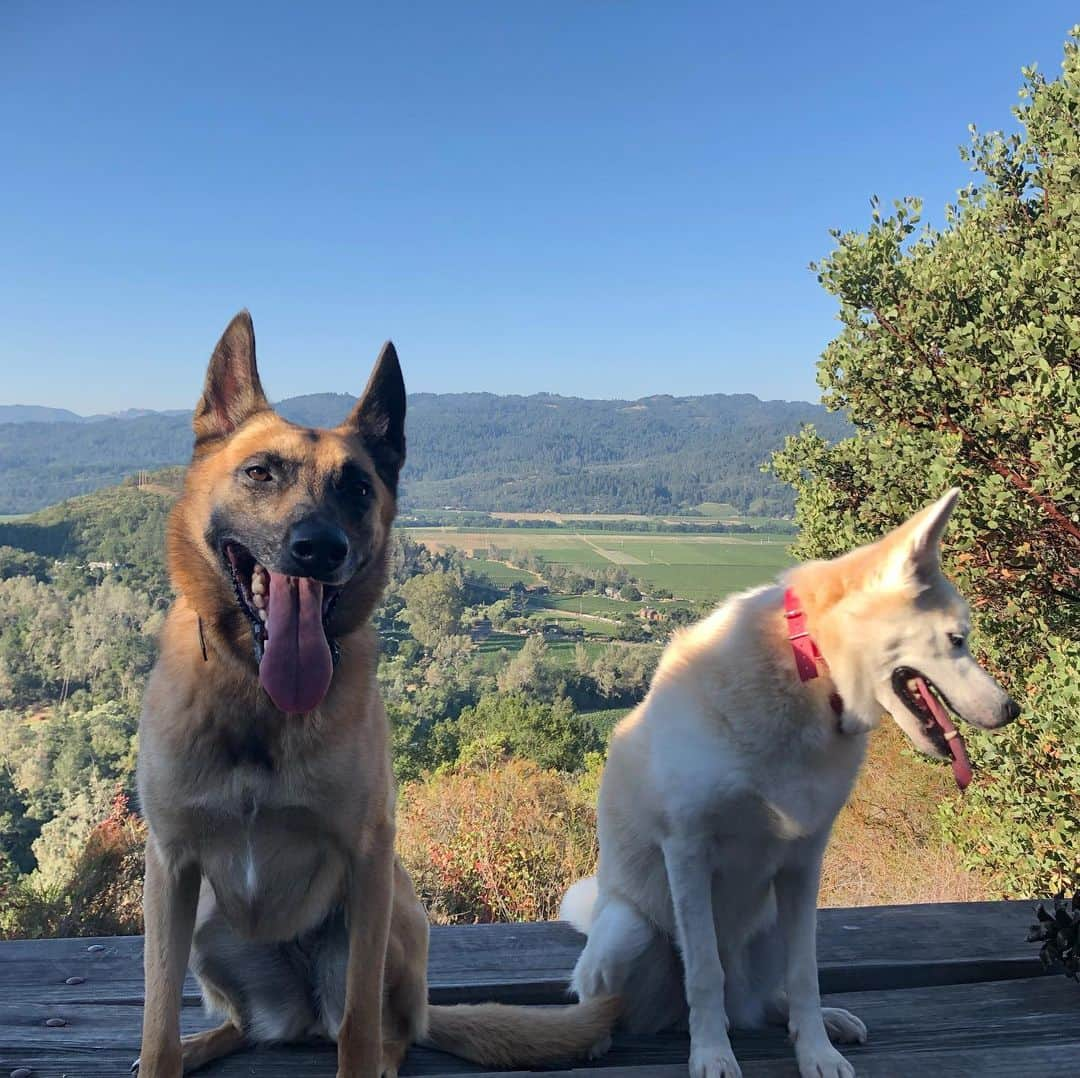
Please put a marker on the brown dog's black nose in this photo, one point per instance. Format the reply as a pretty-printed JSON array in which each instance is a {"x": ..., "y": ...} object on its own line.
[{"x": 317, "y": 547}]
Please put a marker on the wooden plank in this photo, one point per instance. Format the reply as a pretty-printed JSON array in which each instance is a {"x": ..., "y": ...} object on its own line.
[
  {"x": 1030, "y": 1025},
  {"x": 933, "y": 944},
  {"x": 863, "y": 948},
  {"x": 1027, "y": 1061}
]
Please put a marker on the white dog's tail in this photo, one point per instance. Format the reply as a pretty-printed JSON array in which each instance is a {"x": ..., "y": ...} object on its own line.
[{"x": 579, "y": 903}]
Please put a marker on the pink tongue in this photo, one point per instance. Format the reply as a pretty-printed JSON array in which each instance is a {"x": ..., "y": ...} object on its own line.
[
  {"x": 961, "y": 766},
  {"x": 296, "y": 665}
]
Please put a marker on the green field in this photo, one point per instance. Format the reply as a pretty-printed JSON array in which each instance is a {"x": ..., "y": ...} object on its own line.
[
  {"x": 696, "y": 567},
  {"x": 561, "y": 651},
  {"x": 501, "y": 574}
]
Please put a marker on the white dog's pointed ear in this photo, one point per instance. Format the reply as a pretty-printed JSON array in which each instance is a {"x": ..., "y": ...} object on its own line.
[
  {"x": 914, "y": 549},
  {"x": 379, "y": 416},
  {"x": 233, "y": 391}
]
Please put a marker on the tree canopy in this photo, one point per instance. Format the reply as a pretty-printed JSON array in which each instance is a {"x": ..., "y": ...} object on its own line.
[{"x": 957, "y": 363}]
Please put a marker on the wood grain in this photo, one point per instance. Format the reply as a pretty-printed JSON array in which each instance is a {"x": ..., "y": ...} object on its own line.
[{"x": 945, "y": 990}]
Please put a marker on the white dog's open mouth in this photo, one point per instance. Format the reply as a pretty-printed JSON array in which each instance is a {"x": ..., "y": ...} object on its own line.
[{"x": 924, "y": 700}]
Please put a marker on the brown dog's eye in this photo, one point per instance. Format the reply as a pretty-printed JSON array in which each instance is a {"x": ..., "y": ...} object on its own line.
[
  {"x": 258, "y": 473},
  {"x": 353, "y": 483}
]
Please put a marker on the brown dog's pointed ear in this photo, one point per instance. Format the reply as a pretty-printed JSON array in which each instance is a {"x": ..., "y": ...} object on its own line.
[
  {"x": 379, "y": 416},
  {"x": 233, "y": 391}
]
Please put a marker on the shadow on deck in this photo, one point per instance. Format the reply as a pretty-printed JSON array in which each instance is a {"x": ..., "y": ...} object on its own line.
[{"x": 946, "y": 990}]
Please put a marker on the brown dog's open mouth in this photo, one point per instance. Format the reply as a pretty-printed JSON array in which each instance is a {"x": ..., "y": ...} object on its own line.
[
  {"x": 289, "y": 617},
  {"x": 924, "y": 700}
]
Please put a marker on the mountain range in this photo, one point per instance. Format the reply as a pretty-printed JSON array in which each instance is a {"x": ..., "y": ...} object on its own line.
[
  {"x": 38, "y": 413},
  {"x": 469, "y": 450}
]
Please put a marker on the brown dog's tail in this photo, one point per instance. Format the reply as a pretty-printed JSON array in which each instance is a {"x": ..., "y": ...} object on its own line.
[{"x": 496, "y": 1035}]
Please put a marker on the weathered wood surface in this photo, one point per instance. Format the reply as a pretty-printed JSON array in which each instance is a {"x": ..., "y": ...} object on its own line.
[
  {"x": 867, "y": 947},
  {"x": 945, "y": 990}
]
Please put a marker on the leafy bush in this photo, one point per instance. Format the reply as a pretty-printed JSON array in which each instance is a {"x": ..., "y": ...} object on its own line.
[
  {"x": 496, "y": 841},
  {"x": 551, "y": 735},
  {"x": 957, "y": 364},
  {"x": 1024, "y": 822},
  {"x": 99, "y": 895}
]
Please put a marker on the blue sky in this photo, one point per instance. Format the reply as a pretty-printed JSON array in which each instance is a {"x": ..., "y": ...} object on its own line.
[{"x": 598, "y": 198}]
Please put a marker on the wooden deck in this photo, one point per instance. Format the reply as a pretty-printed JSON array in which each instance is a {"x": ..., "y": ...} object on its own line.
[{"x": 945, "y": 990}]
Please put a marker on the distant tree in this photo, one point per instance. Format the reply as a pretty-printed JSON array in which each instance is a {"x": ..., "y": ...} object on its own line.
[
  {"x": 64, "y": 836},
  {"x": 15, "y": 562},
  {"x": 622, "y": 671},
  {"x": 434, "y": 603},
  {"x": 630, "y": 593},
  {"x": 528, "y": 669},
  {"x": 958, "y": 364},
  {"x": 17, "y": 830},
  {"x": 551, "y": 734}
]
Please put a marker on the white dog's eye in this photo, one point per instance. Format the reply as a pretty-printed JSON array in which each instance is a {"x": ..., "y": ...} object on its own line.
[{"x": 958, "y": 640}]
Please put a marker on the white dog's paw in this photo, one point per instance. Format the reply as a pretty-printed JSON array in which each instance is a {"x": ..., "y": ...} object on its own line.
[
  {"x": 592, "y": 979},
  {"x": 824, "y": 1062},
  {"x": 716, "y": 1061},
  {"x": 842, "y": 1026},
  {"x": 601, "y": 1047}
]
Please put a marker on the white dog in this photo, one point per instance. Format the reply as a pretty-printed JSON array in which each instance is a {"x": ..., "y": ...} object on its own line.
[{"x": 722, "y": 786}]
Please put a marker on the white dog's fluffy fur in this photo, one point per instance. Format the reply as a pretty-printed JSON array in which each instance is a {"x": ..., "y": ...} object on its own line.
[{"x": 721, "y": 788}]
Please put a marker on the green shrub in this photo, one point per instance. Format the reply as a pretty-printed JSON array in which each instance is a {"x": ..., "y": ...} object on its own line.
[
  {"x": 1023, "y": 823},
  {"x": 957, "y": 363}
]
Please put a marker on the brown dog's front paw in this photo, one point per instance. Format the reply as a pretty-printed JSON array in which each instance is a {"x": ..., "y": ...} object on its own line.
[{"x": 146, "y": 1067}]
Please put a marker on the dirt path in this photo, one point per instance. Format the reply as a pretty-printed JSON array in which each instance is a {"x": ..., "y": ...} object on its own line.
[{"x": 616, "y": 557}]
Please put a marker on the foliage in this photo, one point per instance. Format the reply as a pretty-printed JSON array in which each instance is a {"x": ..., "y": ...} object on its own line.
[
  {"x": 434, "y": 603},
  {"x": 496, "y": 842},
  {"x": 54, "y": 643},
  {"x": 15, "y": 562},
  {"x": 552, "y": 735},
  {"x": 957, "y": 363},
  {"x": 528, "y": 670},
  {"x": 17, "y": 830},
  {"x": 66, "y": 832},
  {"x": 1058, "y": 930},
  {"x": 1024, "y": 824},
  {"x": 123, "y": 527},
  {"x": 100, "y": 894}
]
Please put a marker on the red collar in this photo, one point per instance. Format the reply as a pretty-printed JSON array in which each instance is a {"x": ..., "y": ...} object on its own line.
[{"x": 808, "y": 658}]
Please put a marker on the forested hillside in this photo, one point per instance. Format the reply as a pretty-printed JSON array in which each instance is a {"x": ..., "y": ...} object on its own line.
[{"x": 476, "y": 451}]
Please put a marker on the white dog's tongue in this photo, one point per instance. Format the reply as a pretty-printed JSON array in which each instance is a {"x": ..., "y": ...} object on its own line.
[
  {"x": 296, "y": 665},
  {"x": 961, "y": 765}
]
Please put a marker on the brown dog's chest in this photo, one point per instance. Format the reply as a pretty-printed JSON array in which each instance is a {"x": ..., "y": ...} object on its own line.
[
  {"x": 270, "y": 827},
  {"x": 276, "y": 870}
]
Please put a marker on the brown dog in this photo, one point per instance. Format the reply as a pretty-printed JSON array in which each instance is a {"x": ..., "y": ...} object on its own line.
[{"x": 264, "y": 772}]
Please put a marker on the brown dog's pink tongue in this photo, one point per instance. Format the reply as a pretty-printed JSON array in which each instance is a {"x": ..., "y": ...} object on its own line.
[
  {"x": 296, "y": 665},
  {"x": 961, "y": 765}
]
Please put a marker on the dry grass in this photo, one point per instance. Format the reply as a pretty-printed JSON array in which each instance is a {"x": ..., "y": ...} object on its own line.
[{"x": 885, "y": 847}]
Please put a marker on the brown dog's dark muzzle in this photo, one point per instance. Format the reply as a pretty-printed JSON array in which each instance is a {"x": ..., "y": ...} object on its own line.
[{"x": 315, "y": 547}]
